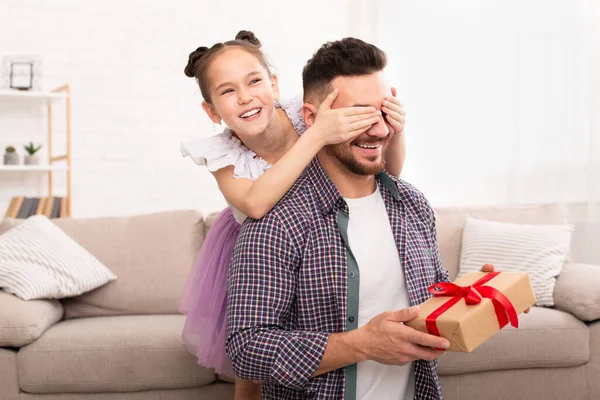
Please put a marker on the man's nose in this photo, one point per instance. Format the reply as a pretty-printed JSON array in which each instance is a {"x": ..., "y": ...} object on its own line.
[{"x": 378, "y": 129}]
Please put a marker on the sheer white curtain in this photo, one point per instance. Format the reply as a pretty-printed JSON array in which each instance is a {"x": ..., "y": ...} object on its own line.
[{"x": 502, "y": 98}]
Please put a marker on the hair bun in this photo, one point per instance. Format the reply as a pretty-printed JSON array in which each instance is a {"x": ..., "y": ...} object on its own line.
[
  {"x": 248, "y": 37},
  {"x": 190, "y": 68}
]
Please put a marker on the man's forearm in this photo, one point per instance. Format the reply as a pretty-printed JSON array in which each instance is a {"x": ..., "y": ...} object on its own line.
[
  {"x": 286, "y": 357},
  {"x": 342, "y": 350}
]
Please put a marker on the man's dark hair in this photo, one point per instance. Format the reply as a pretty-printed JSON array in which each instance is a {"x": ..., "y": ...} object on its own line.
[{"x": 346, "y": 57}]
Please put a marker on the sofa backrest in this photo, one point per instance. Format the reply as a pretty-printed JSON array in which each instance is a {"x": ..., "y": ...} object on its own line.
[
  {"x": 151, "y": 255},
  {"x": 209, "y": 220},
  {"x": 451, "y": 222}
]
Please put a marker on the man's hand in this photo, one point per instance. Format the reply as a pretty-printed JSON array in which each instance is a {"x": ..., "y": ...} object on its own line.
[
  {"x": 490, "y": 268},
  {"x": 386, "y": 340}
]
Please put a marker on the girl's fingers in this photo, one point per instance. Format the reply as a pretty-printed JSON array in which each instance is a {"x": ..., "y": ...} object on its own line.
[
  {"x": 362, "y": 117},
  {"x": 393, "y": 103},
  {"x": 350, "y": 111},
  {"x": 363, "y": 123},
  {"x": 397, "y": 124},
  {"x": 394, "y": 114},
  {"x": 358, "y": 131}
]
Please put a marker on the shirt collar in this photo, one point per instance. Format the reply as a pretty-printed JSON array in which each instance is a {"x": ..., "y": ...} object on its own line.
[{"x": 328, "y": 194}]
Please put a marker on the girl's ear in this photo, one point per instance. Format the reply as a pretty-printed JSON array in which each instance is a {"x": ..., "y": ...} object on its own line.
[
  {"x": 275, "y": 87},
  {"x": 211, "y": 112}
]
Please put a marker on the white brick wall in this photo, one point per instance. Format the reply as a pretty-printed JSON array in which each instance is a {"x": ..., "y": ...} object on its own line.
[{"x": 131, "y": 103}]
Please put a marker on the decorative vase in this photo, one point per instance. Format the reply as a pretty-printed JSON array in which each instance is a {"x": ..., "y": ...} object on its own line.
[
  {"x": 31, "y": 159},
  {"x": 11, "y": 159}
]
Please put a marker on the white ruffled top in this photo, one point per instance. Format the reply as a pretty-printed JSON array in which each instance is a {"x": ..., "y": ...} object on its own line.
[{"x": 224, "y": 149}]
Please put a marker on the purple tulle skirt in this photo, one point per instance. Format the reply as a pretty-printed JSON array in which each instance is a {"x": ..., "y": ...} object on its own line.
[{"x": 204, "y": 298}]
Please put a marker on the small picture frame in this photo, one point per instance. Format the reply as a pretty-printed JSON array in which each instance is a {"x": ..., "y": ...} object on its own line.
[{"x": 21, "y": 75}]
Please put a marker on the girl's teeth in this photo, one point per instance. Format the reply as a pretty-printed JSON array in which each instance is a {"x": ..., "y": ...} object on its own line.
[{"x": 250, "y": 113}]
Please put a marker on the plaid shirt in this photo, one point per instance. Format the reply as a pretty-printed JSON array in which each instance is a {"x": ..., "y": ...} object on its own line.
[{"x": 291, "y": 285}]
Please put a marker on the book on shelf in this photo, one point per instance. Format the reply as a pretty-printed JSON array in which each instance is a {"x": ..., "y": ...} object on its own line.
[{"x": 24, "y": 207}]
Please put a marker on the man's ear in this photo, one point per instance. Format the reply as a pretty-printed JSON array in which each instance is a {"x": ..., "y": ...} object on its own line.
[
  {"x": 309, "y": 112},
  {"x": 211, "y": 112}
]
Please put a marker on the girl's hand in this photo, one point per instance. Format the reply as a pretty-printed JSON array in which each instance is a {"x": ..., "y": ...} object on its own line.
[
  {"x": 338, "y": 125},
  {"x": 395, "y": 115}
]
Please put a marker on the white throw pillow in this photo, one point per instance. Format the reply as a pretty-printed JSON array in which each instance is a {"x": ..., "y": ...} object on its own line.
[
  {"x": 540, "y": 250},
  {"x": 39, "y": 261}
]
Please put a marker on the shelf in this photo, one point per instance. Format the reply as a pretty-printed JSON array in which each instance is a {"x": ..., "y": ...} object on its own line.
[
  {"x": 52, "y": 163},
  {"x": 13, "y": 93},
  {"x": 27, "y": 168}
]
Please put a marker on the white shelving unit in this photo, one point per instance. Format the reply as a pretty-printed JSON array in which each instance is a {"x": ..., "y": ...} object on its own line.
[
  {"x": 33, "y": 168},
  {"x": 56, "y": 163},
  {"x": 5, "y": 93}
]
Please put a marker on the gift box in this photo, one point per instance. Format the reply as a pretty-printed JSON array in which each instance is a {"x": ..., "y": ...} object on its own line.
[{"x": 474, "y": 307}]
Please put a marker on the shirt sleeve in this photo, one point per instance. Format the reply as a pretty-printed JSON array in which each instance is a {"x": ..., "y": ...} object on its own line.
[
  {"x": 261, "y": 295},
  {"x": 441, "y": 273}
]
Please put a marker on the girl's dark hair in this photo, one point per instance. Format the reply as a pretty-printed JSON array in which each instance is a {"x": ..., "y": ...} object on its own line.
[
  {"x": 200, "y": 59},
  {"x": 346, "y": 57}
]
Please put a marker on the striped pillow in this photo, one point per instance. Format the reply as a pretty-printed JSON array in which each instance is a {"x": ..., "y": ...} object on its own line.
[
  {"x": 540, "y": 250},
  {"x": 39, "y": 261}
]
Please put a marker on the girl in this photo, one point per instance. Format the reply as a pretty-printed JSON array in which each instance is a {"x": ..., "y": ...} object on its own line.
[{"x": 255, "y": 161}]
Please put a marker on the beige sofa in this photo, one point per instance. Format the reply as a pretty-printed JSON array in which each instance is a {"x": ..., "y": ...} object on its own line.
[{"x": 122, "y": 341}]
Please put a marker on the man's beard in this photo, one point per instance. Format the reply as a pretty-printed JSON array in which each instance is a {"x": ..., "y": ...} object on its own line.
[{"x": 343, "y": 153}]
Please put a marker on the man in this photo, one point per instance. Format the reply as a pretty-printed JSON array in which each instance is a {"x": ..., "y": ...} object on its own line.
[{"x": 319, "y": 288}]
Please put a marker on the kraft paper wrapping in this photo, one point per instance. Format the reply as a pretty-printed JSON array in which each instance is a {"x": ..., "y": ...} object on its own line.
[{"x": 467, "y": 326}]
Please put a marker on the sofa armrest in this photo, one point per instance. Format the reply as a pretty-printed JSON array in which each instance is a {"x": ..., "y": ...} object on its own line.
[
  {"x": 577, "y": 291},
  {"x": 22, "y": 322}
]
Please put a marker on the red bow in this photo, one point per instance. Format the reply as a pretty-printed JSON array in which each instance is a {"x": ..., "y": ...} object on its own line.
[{"x": 472, "y": 294}]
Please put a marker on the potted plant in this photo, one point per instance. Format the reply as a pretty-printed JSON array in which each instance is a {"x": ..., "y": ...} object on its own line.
[
  {"x": 32, "y": 158},
  {"x": 10, "y": 156}
]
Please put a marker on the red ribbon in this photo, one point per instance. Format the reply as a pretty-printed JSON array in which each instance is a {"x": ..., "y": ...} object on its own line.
[{"x": 472, "y": 294}]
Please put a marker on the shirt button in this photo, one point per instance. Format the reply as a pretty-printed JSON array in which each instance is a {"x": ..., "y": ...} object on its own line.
[
  {"x": 350, "y": 319},
  {"x": 351, "y": 274}
]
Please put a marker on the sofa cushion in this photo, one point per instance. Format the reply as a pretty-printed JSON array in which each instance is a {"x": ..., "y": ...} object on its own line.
[
  {"x": 214, "y": 391},
  {"x": 450, "y": 223},
  {"x": 577, "y": 291},
  {"x": 151, "y": 254},
  {"x": 545, "y": 338},
  {"x": 22, "y": 322},
  {"x": 111, "y": 354}
]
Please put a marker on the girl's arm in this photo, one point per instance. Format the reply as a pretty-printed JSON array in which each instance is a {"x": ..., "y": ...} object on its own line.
[
  {"x": 395, "y": 154},
  {"x": 257, "y": 198},
  {"x": 396, "y": 118}
]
